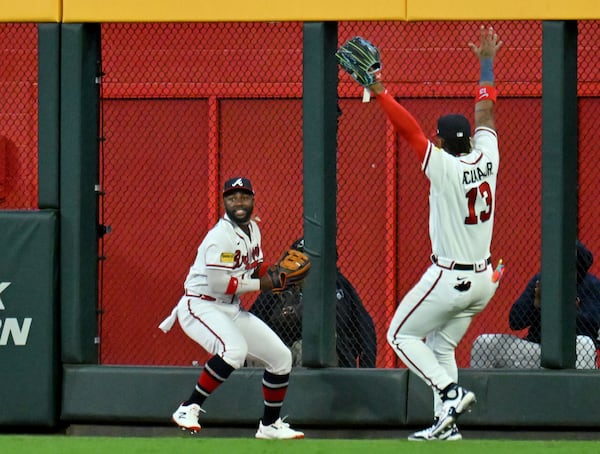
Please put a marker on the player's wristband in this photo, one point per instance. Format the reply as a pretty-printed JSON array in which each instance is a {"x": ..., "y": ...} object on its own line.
[
  {"x": 486, "y": 70},
  {"x": 486, "y": 93}
]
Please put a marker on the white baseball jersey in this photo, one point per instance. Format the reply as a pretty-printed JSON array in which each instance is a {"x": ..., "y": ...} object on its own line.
[
  {"x": 442, "y": 304},
  {"x": 209, "y": 312},
  {"x": 462, "y": 199},
  {"x": 226, "y": 251}
]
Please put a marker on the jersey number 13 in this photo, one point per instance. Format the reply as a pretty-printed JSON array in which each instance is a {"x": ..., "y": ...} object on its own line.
[{"x": 485, "y": 192}]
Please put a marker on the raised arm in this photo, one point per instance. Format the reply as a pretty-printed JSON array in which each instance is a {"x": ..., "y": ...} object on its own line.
[
  {"x": 361, "y": 60},
  {"x": 404, "y": 123},
  {"x": 486, "y": 92}
]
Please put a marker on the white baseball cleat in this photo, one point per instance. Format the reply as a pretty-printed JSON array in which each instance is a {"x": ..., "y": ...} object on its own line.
[
  {"x": 279, "y": 430},
  {"x": 186, "y": 417},
  {"x": 451, "y": 434},
  {"x": 458, "y": 401}
]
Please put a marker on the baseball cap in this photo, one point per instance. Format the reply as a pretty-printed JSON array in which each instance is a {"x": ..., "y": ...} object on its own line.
[
  {"x": 238, "y": 184},
  {"x": 453, "y": 126},
  {"x": 298, "y": 244}
]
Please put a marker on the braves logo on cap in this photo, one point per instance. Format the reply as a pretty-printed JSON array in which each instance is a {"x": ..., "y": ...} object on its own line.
[{"x": 237, "y": 184}]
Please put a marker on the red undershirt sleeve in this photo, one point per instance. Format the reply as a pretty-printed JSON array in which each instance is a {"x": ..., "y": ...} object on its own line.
[{"x": 404, "y": 123}]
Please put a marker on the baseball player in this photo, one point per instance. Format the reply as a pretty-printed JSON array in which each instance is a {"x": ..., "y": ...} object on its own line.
[
  {"x": 462, "y": 172},
  {"x": 228, "y": 263}
]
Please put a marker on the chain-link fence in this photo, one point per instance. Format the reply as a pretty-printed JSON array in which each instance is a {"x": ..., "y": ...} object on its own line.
[
  {"x": 188, "y": 105},
  {"x": 18, "y": 116},
  {"x": 184, "y": 106}
]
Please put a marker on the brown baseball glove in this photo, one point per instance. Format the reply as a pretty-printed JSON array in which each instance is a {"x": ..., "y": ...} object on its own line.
[{"x": 290, "y": 269}]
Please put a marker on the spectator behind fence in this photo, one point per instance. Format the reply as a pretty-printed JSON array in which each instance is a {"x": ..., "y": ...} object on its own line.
[
  {"x": 356, "y": 343},
  {"x": 510, "y": 351}
]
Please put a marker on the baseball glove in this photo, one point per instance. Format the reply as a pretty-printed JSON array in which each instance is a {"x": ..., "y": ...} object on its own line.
[
  {"x": 360, "y": 58},
  {"x": 290, "y": 269}
]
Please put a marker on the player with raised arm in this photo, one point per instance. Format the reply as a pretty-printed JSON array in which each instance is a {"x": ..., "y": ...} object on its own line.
[{"x": 462, "y": 172}]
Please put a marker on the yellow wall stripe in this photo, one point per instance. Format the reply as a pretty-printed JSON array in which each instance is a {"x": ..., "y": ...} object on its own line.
[
  {"x": 230, "y": 10},
  {"x": 292, "y": 10},
  {"x": 503, "y": 10},
  {"x": 30, "y": 10}
]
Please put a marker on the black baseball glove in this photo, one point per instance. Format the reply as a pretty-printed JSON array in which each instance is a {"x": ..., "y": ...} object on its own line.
[{"x": 360, "y": 58}]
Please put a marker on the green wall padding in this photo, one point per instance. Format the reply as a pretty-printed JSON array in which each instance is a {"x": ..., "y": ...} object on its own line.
[
  {"x": 29, "y": 358},
  {"x": 333, "y": 397},
  {"x": 79, "y": 157},
  {"x": 324, "y": 397}
]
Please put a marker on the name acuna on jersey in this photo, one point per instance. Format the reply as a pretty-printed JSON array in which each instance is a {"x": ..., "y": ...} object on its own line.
[{"x": 475, "y": 175}]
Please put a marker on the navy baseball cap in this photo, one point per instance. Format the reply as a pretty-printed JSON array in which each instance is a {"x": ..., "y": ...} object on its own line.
[
  {"x": 298, "y": 244},
  {"x": 453, "y": 126},
  {"x": 238, "y": 184}
]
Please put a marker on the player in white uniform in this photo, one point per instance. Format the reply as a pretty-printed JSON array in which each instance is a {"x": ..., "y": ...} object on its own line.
[
  {"x": 228, "y": 263},
  {"x": 458, "y": 284}
]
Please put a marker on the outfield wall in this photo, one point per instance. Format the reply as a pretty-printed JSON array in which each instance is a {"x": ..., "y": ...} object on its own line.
[{"x": 331, "y": 397}]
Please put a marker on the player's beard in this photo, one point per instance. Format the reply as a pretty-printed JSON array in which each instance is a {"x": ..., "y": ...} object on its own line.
[{"x": 240, "y": 219}]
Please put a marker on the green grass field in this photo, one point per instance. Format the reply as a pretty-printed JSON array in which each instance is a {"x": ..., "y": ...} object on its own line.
[{"x": 61, "y": 444}]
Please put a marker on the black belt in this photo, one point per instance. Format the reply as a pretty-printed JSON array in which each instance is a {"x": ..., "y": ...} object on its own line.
[{"x": 461, "y": 266}]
